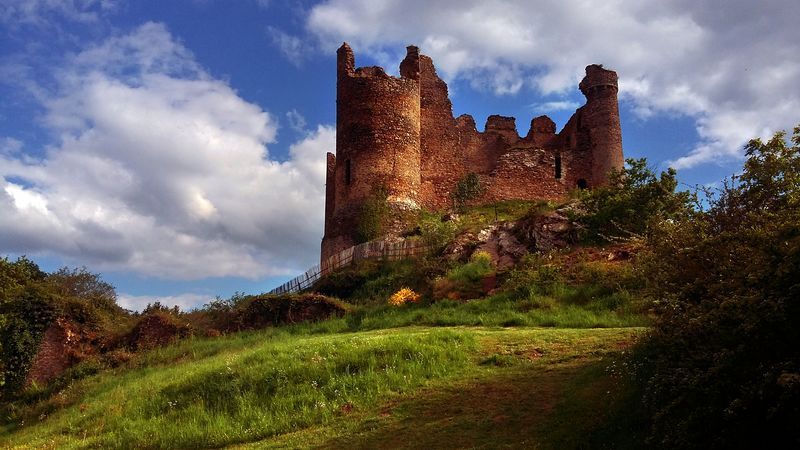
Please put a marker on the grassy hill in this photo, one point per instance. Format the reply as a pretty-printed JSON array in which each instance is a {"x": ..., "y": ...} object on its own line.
[
  {"x": 306, "y": 386},
  {"x": 527, "y": 364}
]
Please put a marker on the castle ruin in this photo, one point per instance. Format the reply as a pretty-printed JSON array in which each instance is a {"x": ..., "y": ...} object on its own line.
[{"x": 399, "y": 135}]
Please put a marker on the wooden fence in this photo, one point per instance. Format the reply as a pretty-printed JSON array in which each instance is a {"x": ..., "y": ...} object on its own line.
[{"x": 368, "y": 250}]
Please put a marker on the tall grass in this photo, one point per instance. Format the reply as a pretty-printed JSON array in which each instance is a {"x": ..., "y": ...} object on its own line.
[
  {"x": 252, "y": 389},
  {"x": 499, "y": 310}
]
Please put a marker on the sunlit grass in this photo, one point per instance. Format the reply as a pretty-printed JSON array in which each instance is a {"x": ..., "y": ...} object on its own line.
[{"x": 257, "y": 386}]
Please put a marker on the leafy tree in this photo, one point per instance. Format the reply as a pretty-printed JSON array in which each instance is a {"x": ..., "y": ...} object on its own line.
[
  {"x": 634, "y": 200},
  {"x": 721, "y": 368}
]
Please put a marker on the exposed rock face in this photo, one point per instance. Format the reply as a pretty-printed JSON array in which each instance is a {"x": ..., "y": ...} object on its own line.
[
  {"x": 156, "y": 330},
  {"x": 507, "y": 242},
  {"x": 500, "y": 241},
  {"x": 63, "y": 345},
  {"x": 399, "y": 134},
  {"x": 548, "y": 231}
]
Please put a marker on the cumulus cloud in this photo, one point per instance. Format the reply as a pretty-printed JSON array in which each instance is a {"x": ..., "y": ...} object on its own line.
[
  {"x": 733, "y": 69},
  {"x": 161, "y": 169}
]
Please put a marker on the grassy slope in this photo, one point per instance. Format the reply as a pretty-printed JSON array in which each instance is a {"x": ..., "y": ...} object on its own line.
[
  {"x": 406, "y": 387},
  {"x": 363, "y": 382}
]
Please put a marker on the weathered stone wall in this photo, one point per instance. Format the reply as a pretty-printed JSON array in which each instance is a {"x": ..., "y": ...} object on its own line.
[
  {"x": 600, "y": 116},
  {"x": 400, "y": 134},
  {"x": 377, "y": 143}
]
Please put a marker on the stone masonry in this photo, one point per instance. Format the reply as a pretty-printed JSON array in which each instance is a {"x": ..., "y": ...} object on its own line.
[{"x": 398, "y": 135}]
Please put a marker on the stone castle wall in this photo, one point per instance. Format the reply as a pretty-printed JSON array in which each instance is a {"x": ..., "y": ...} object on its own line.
[{"x": 399, "y": 134}]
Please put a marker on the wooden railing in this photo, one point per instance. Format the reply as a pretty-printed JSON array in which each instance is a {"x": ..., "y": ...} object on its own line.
[{"x": 368, "y": 250}]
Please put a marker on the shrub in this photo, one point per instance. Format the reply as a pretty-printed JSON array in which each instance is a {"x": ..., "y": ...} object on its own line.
[
  {"x": 466, "y": 281},
  {"x": 435, "y": 233},
  {"x": 534, "y": 277},
  {"x": 373, "y": 217},
  {"x": 467, "y": 188},
  {"x": 724, "y": 355},
  {"x": 403, "y": 296},
  {"x": 31, "y": 300},
  {"x": 633, "y": 201},
  {"x": 269, "y": 310}
]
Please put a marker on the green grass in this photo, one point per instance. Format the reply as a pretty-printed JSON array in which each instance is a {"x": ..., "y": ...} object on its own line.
[
  {"x": 254, "y": 388},
  {"x": 551, "y": 391},
  {"x": 500, "y": 310},
  {"x": 294, "y": 387}
]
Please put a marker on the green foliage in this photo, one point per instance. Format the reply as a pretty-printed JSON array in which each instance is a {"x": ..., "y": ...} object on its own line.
[
  {"x": 244, "y": 388},
  {"x": 373, "y": 217},
  {"x": 30, "y": 300},
  {"x": 435, "y": 233},
  {"x": 633, "y": 202},
  {"x": 466, "y": 281},
  {"x": 724, "y": 353},
  {"x": 373, "y": 281},
  {"x": 467, "y": 188}
]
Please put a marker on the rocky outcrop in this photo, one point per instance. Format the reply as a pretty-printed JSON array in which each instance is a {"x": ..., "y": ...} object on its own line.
[
  {"x": 63, "y": 345},
  {"x": 548, "y": 231},
  {"x": 156, "y": 330},
  {"x": 507, "y": 242}
]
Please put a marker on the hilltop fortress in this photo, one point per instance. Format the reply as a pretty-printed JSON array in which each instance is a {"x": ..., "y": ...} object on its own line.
[{"x": 398, "y": 136}]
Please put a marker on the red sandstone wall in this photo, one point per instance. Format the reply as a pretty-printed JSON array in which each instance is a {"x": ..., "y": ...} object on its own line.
[
  {"x": 400, "y": 133},
  {"x": 600, "y": 116},
  {"x": 377, "y": 143}
]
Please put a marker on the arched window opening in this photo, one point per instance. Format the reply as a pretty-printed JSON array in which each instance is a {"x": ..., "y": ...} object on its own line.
[
  {"x": 582, "y": 184},
  {"x": 347, "y": 172},
  {"x": 558, "y": 167}
]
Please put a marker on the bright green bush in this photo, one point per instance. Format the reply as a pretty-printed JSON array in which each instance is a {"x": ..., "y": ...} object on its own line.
[{"x": 465, "y": 281}]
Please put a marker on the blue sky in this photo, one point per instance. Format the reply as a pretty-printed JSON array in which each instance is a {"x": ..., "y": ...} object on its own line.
[{"x": 178, "y": 147}]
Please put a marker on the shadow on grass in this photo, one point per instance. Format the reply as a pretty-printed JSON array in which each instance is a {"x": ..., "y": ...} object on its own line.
[{"x": 576, "y": 405}]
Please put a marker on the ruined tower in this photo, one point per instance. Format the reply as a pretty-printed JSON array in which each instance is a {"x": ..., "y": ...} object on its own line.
[
  {"x": 600, "y": 117},
  {"x": 377, "y": 145},
  {"x": 397, "y": 137}
]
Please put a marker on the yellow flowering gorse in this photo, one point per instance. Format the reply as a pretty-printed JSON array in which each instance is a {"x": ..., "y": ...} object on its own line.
[{"x": 403, "y": 296}]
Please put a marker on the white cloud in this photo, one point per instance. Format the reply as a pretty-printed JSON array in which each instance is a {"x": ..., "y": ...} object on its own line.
[
  {"x": 556, "y": 105},
  {"x": 37, "y": 12},
  {"x": 293, "y": 48},
  {"x": 296, "y": 121},
  {"x": 162, "y": 170},
  {"x": 734, "y": 69}
]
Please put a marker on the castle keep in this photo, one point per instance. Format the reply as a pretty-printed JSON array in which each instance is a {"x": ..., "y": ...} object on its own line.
[{"x": 399, "y": 135}]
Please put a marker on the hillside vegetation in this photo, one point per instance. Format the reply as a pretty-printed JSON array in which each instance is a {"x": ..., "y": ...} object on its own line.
[{"x": 669, "y": 321}]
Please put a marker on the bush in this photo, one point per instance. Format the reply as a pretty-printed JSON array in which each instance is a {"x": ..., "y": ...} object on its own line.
[
  {"x": 633, "y": 202},
  {"x": 270, "y": 310},
  {"x": 467, "y": 280},
  {"x": 724, "y": 355},
  {"x": 403, "y": 296},
  {"x": 435, "y": 233},
  {"x": 31, "y": 300},
  {"x": 468, "y": 188}
]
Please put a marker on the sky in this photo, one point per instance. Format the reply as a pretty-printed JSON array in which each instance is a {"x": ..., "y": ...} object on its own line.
[{"x": 178, "y": 147}]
